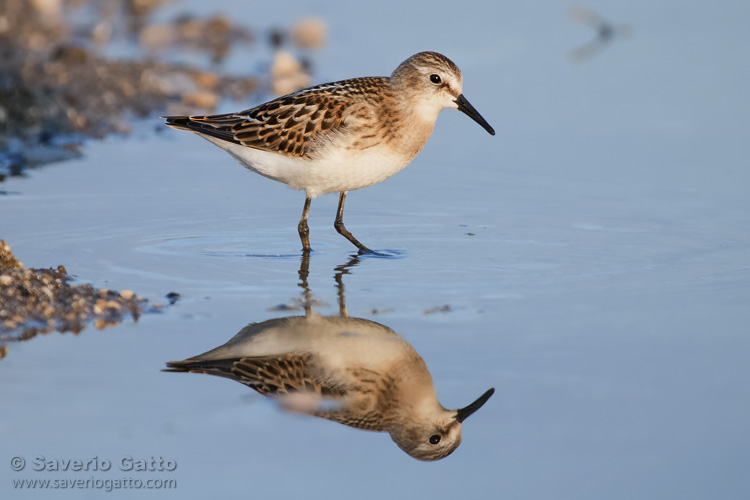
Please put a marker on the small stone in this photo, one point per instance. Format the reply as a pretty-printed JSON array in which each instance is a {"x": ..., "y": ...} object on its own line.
[
  {"x": 6, "y": 257},
  {"x": 309, "y": 33},
  {"x": 206, "y": 80},
  {"x": 158, "y": 36},
  {"x": 102, "y": 32},
  {"x": 127, "y": 294},
  {"x": 202, "y": 99},
  {"x": 439, "y": 309},
  {"x": 287, "y": 75},
  {"x": 70, "y": 55},
  {"x": 276, "y": 37},
  {"x": 282, "y": 307},
  {"x": 48, "y": 7}
]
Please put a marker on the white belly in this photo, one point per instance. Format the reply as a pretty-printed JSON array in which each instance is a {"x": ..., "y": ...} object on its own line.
[{"x": 341, "y": 170}]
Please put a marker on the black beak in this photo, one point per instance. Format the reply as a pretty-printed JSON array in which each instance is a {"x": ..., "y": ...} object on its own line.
[
  {"x": 465, "y": 107},
  {"x": 464, "y": 413}
]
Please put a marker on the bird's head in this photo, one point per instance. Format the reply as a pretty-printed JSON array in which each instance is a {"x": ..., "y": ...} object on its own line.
[
  {"x": 434, "y": 434},
  {"x": 433, "y": 83}
]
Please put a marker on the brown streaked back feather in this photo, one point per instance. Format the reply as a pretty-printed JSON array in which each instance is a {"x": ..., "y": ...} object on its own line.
[
  {"x": 291, "y": 125},
  {"x": 294, "y": 373},
  {"x": 270, "y": 375}
]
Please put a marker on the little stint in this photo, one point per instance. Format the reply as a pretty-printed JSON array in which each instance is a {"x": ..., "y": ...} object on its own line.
[
  {"x": 350, "y": 370},
  {"x": 340, "y": 136}
]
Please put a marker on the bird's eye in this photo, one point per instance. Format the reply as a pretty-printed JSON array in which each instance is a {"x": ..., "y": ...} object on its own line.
[
  {"x": 435, "y": 79},
  {"x": 435, "y": 438}
]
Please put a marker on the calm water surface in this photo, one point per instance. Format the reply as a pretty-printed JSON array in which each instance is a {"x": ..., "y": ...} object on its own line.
[{"x": 593, "y": 258}]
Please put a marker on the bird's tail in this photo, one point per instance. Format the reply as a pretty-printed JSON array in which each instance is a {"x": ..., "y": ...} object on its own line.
[
  {"x": 217, "y": 126},
  {"x": 178, "y": 122}
]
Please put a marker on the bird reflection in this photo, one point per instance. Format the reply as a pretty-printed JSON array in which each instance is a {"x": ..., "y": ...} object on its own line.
[
  {"x": 605, "y": 33},
  {"x": 348, "y": 370}
]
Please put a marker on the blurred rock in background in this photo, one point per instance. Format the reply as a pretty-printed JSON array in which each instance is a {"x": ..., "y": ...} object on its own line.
[{"x": 58, "y": 84}]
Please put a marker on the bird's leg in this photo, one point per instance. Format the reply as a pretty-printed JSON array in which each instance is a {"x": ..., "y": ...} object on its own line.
[
  {"x": 304, "y": 231},
  {"x": 304, "y": 272},
  {"x": 339, "y": 277},
  {"x": 339, "y": 225}
]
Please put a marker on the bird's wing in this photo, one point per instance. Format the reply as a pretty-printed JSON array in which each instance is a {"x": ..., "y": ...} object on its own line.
[
  {"x": 288, "y": 376},
  {"x": 269, "y": 375},
  {"x": 290, "y": 125}
]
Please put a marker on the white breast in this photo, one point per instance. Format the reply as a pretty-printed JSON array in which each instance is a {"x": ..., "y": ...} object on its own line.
[{"x": 336, "y": 170}]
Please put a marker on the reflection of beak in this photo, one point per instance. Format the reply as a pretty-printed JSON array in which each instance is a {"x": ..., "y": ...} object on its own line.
[
  {"x": 465, "y": 107},
  {"x": 464, "y": 413}
]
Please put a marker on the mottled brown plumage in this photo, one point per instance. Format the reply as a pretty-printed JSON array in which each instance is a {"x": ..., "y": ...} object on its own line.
[
  {"x": 348, "y": 370},
  {"x": 340, "y": 136},
  {"x": 295, "y": 373},
  {"x": 293, "y": 125}
]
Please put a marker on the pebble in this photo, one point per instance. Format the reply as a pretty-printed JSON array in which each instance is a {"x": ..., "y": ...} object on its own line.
[
  {"x": 287, "y": 74},
  {"x": 309, "y": 33},
  {"x": 48, "y": 7},
  {"x": 157, "y": 36},
  {"x": 439, "y": 309},
  {"x": 201, "y": 99}
]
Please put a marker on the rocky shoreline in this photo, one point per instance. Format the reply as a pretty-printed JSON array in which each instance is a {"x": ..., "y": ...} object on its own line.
[
  {"x": 63, "y": 77},
  {"x": 39, "y": 301}
]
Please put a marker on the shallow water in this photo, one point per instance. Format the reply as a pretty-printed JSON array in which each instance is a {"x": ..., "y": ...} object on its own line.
[{"x": 593, "y": 257}]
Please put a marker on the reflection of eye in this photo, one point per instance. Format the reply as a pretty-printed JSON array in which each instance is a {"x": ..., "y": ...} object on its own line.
[
  {"x": 436, "y": 80},
  {"x": 435, "y": 438}
]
